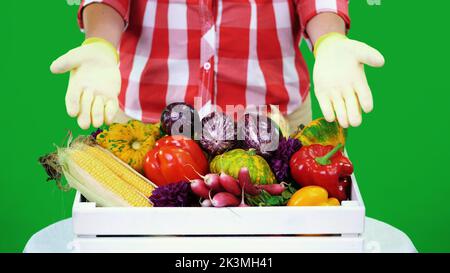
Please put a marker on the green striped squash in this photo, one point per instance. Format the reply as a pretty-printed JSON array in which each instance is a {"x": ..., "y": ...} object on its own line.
[{"x": 231, "y": 162}]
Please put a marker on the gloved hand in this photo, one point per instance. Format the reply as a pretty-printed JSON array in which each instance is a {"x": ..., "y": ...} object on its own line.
[
  {"x": 339, "y": 79},
  {"x": 94, "y": 83}
]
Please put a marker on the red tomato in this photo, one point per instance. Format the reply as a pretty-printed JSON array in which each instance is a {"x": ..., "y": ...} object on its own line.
[{"x": 175, "y": 159}]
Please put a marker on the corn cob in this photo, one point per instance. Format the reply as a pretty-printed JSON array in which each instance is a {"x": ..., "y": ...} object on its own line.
[
  {"x": 91, "y": 176},
  {"x": 120, "y": 169}
]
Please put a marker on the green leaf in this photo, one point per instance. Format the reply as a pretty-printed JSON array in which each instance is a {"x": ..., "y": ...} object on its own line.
[
  {"x": 286, "y": 195},
  {"x": 265, "y": 199},
  {"x": 273, "y": 201}
]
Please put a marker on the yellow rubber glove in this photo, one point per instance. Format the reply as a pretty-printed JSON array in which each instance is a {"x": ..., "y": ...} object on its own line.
[
  {"x": 339, "y": 79},
  {"x": 94, "y": 83}
]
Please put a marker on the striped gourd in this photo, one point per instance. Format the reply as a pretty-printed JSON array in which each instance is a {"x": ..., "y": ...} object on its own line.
[
  {"x": 322, "y": 132},
  {"x": 231, "y": 162},
  {"x": 97, "y": 176},
  {"x": 130, "y": 142}
]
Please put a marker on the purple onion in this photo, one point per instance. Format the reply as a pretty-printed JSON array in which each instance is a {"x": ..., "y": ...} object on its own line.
[
  {"x": 179, "y": 119},
  {"x": 259, "y": 132},
  {"x": 218, "y": 133}
]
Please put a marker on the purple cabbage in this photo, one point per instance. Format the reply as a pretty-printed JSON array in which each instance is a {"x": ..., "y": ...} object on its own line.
[
  {"x": 172, "y": 195},
  {"x": 280, "y": 159},
  {"x": 218, "y": 134}
]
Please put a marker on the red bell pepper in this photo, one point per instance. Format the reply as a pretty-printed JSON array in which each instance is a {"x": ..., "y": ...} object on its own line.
[
  {"x": 175, "y": 159},
  {"x": 323, "y": 166}
]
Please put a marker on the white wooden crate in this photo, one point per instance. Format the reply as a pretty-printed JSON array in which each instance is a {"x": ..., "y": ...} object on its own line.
[{"x": 253, "y": 229}]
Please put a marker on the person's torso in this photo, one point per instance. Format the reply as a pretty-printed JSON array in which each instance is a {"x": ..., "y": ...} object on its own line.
[{"x": 220, "y": 52}]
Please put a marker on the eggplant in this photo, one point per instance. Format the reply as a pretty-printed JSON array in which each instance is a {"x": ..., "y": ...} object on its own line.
[
  {"x": 179, "y": 119},
  {"x": 259, "y": 132},
  {"x": 218, "y": 133}
]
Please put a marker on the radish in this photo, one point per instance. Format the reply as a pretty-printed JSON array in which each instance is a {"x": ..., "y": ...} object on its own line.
[
  {"x": 225, "y": 199},
  {"x": 242, "y": 204},
  {"x": 199, "y": 188},
  {"x": 206, "y": 203},
  {"x": 246, "y": 182},
  {"x": 274, "y": 189},
  {"x": 212, "y": 180},
  {"x": 230, "y": 184}
]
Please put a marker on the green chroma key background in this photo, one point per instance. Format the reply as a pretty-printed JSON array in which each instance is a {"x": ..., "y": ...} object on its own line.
[{"x": 401, "y": 152}]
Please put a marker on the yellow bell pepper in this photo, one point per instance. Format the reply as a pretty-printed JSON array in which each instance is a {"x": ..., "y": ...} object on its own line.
[{"x": 312, "y": 196}]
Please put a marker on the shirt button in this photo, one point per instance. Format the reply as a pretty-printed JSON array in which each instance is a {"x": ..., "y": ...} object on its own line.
[{"x": 207, "y": 66}]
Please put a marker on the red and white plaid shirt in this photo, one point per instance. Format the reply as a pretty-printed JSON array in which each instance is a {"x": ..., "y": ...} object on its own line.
[{"x": 226, "y": 52}]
